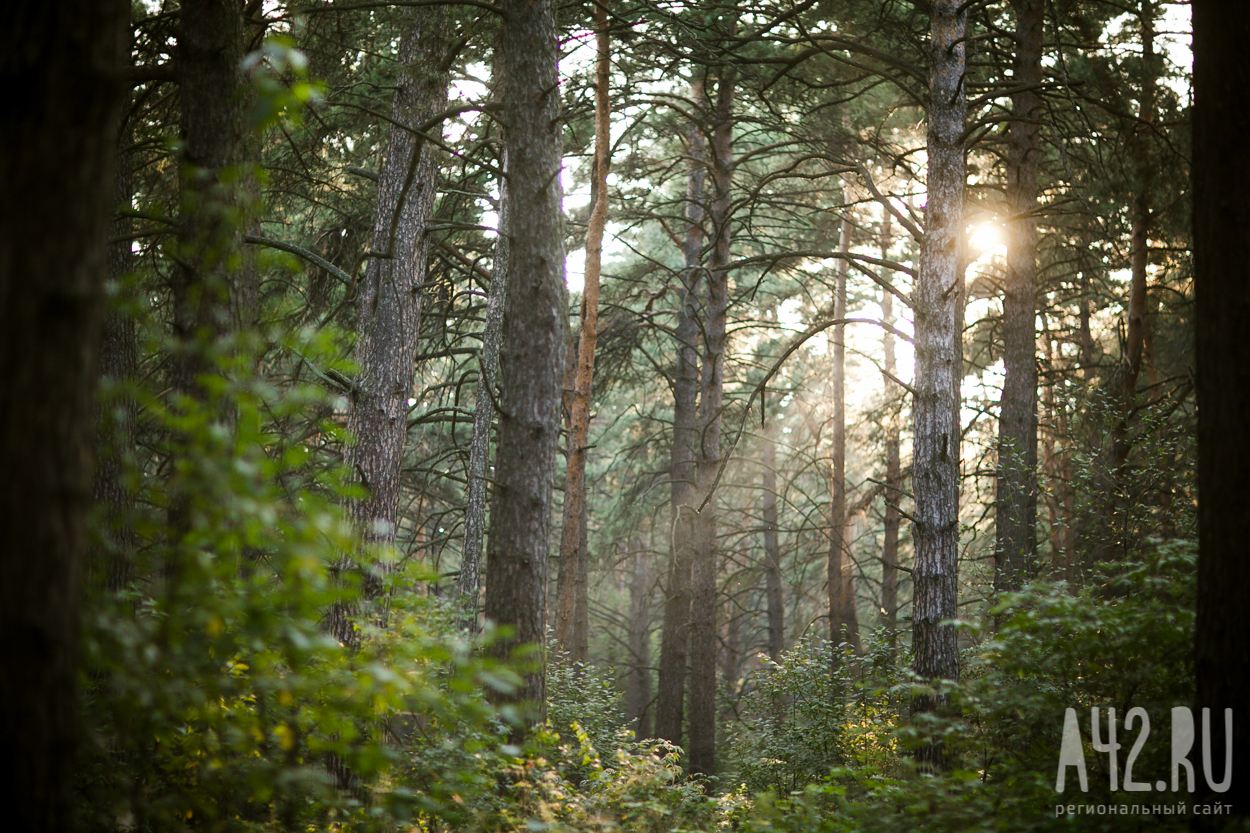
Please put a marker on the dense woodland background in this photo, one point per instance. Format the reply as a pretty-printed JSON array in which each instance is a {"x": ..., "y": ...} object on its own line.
[{"x": 621, "y": 415}]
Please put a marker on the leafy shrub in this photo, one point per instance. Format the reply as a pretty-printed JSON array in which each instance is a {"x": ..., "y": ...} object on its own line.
[{"x": 214, "y": 699}]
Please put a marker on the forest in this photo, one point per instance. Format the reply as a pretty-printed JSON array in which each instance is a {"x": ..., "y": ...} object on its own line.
[{"x": 640, "y": 415}]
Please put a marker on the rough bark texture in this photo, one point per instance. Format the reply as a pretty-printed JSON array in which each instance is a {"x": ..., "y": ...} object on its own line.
[
  {"x": 1221, "y": 177},
  {"x": 893, "y": 474},
  {"x": 115, "y": 430},
  {"x": 483, "y": 417},
  {"x": 772, "y": 555},
  {"x": 531, "y": 363},
  {"x": 62, "y": 65},
  {"x": 938, "y": 305},
  {"x": 389, "y": 316},
  {"x": 843, "y": 621},
  {"x": 572, "y": 604},
  {"x": 675, "y": 634},
  {"x": 704, "y": 571},
  {"x": 1015, "y": 551},
  {"x": 210, "y": 47}
]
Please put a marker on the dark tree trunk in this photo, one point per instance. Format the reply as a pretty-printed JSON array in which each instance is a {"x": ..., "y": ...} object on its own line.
[
  {"x": 893, "y": 473},
  {"x": 1138, "y": 329},
  {"x": 938, "y": 305},
  {"x": 705, "y": 568},
  {"x": 389, "y": 317},
  {"x": 1221, "y": 214},
  {"x": 531, "y": 359},
  {"x": 115, "y": 432},
  {"x": 843, "y": 620},
  {"x": 63, "y": 66},
  {"x": 572, "y": 604},
  {"x": 1115, "y": 481},
  {"x": 675, "y": 633},
  {"x": 210, "y": 49},
  {"x": 772, "y": 555},
  {"x": 1015, "y": 552}
]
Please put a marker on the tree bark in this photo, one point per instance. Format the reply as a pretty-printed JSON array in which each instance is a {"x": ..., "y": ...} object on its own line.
[
  {"x": 675, "y": 633},
  {"x": 484, "y": 415},
  {"x": 1138, "y": 325},
  {"x": 1221, "y": 176},
  {"x": 1137, "y": 331},
  {"x": 843, "y": 620},
  {"x": 531, "y": 358},
  {"x": 210, "y": 49},
  {"x": 704, "y": 570},
  {"x": 115, "y": 431},
  {"x": 63, "y": 65},
  {"x": 1015, "y": 551},
  {"x": 937, "y": 301},
  {"x": 389, "y": 314},
  {"x": 772, "y": 555},
  {"x": 572, "y": 604},
  {"x": 484, "y": 401},
  {"x": 893, "y": 475},
  {"x": 638, "y": 682}
]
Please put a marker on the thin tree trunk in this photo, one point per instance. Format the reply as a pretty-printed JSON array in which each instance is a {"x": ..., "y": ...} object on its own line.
[
  {"x": 675, "y": 633},
  {"x": 705, "y": 568},
  {"x": 531, "y": 363},
  {"x": 1015, "y": 552},
  {"x": 843, "y": 621},
  {"x": 115, "y": 431},
  {"x": 1221, "y": 177},
  {"x": 1139, "y": 246},
  {"x": 772, "y": 555},
  {"x": 938, "y": 305},
  {"x": 1138, "y": 316},
  {"x": 638, "y": 681},
  {"x": 63, "y": 65},
  {"x": 1084, "y": 332},
  {"x": 483, "y": 415},
  {"x": 1049, "y": 454},
  {"x": 389, "y": 316},
  {"x": 893, "y": 476},
  {"x": 572, "y": 604}
]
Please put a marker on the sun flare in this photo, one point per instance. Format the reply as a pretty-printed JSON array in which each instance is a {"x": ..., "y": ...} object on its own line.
[{"x": 988, "y": 238}]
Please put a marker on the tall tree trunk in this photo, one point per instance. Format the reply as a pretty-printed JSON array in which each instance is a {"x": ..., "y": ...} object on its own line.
[
  {"x": 937, "y": 301},
  {"x": 638, "y": 681},
  {"x": 705, "y": 568},
  {"x": 772, "y": 555},
  {"x": 1015, "y": 551},
  {"x": 63, "y": 64},
  {"x": 893, "y": 474},
  {"x": 1222, "y": 293},
  {"x": 675, "y": 633},
  {"x": 115, "y": 432},
  {"x": 1138, "y": 303},
  {"x": 210, "y": 48},
  {"x": 572, "y": 604},
  {"x": 1085, "y": 334},
  {"x": 484, "y": 414},
  {"x": 389, "y": 316},
  {"x": 531, "y": 363},
  {"x": 843, "y": 621}
]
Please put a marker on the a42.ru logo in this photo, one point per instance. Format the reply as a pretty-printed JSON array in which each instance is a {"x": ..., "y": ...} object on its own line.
[{"x": 1072, "y": 750}]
